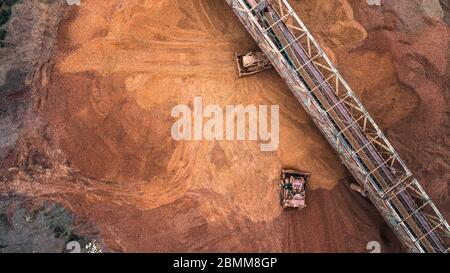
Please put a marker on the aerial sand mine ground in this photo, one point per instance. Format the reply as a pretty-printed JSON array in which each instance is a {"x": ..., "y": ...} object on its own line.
[{"x": 95, "y": 133}]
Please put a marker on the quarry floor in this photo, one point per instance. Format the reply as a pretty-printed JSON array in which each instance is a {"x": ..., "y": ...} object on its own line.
[{"x": 121, "y": 66}]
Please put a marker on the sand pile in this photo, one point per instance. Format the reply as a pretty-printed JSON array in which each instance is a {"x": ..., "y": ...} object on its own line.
[{"x": 121, "y": 67}]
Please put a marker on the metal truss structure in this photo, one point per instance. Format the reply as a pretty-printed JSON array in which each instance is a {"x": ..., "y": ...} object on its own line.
[{"x": 345, "y": 123}]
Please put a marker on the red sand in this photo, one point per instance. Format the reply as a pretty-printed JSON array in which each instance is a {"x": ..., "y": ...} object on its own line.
[{"x": 119, "y": 70}]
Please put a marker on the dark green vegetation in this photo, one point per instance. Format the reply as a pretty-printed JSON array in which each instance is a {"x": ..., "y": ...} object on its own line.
[
  {"x": 5, "y": 14},
  {"x": 29, "y": 226}
]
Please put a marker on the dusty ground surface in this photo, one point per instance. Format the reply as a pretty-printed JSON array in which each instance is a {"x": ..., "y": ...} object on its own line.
[{"x": 98, "y": 137}]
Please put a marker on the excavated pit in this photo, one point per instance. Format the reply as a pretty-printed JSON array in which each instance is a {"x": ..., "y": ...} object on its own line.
[{"x": 96, "y": 135}]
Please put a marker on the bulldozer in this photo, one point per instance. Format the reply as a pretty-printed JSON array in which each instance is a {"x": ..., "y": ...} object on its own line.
[
  {"x": 293, "y": 188},
  {"x": 252, "y": 63}
]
